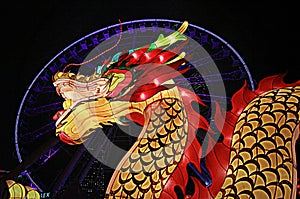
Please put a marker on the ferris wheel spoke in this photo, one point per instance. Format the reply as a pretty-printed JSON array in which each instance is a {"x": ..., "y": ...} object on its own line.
[
  {"x": 44, "y": 89},
  {"x": 49, "y": 154},
  {"x": 33, "y": 111},
  {"x": 35, "y": 134},
  {"x": 68, "y": 169}
]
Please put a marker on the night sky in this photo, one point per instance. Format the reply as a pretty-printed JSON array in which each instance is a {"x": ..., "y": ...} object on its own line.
[{"x": 263, "y": 34}]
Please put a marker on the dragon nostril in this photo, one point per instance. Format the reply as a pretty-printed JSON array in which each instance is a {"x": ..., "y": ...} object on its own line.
[{"x": 57, "y": 115}]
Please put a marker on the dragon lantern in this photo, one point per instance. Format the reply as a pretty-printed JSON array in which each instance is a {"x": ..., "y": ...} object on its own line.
[{"x": 254, "y": 156}]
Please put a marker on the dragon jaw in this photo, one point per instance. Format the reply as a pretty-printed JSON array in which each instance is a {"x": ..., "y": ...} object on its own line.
[{"x": 76, "y": 94}]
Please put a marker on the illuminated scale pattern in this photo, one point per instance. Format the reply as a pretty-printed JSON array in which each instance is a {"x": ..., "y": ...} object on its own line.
[
  {"x": 156, "y": 153},
  {"x": 262, "y": 159}
]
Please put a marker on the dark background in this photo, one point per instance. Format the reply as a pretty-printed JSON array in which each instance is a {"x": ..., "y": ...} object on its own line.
[{"x": 264, "y": 34}]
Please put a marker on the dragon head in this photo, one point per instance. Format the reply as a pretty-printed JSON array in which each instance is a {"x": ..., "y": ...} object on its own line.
[
  {"x": 86, "y": 104},
  {"x": 126, "y": 78}
]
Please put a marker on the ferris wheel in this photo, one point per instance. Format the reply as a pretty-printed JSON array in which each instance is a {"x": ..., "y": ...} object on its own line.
[{"x": 58, "y": 166}]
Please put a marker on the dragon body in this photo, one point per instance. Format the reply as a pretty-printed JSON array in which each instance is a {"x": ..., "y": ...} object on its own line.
[
  {"x": 262, "y": 157},
  {"x": 253, "y": 158}
]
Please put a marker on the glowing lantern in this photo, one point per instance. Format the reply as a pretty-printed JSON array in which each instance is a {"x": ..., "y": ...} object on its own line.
[
  {"x": 31, "y": 193},
  {"x": 16, "y": 190}
]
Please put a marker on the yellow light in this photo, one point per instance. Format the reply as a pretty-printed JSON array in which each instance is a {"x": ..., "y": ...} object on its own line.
[
  {"x": 16, "y": 190},
  {"x": 31, "y": 193}
]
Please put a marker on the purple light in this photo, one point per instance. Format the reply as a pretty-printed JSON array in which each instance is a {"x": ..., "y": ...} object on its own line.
[
  {"x": 226, "y": 52},
  {"x": 53, "y": 68},
  {"x": 50, "y": 153},
  {"x": 46, "y": 77},
  {"x": 84, "y": 46},
  {"x": 73, "y": 53},
  {"x": 192, "y": 33},
  {"x": 204, "y": 39},
  {"x": 167, "y": 25},
  {"x": 215, "y": 44},
  {"x": 95, "y": 40},
  {"x": 106, "y": 35},
  {"x": 142, "y": 28},
  {"x": 44, "y": 89},
  {"x": 62, "y": 60}
]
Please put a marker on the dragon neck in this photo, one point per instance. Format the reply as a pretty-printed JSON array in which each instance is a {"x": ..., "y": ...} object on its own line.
[
  {"x": 263, "y": 147},
  {"x": 147, "y": 166}
]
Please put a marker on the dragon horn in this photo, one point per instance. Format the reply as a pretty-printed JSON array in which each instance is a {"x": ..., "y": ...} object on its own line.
[
  {"x": 183, "y": 27},
  {"x": 172, "y": 38}
]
